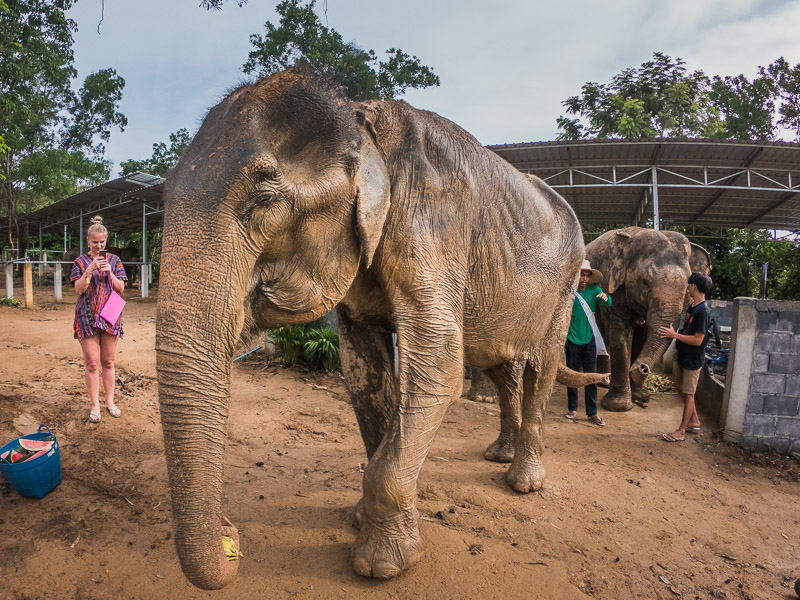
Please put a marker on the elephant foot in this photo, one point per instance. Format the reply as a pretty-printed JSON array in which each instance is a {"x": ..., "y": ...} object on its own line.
[
  {"x": 387, "y": 550},
  {"x": 501, "y": 450},
  {"x": 485, "y": 398},
  {"x": 616, "y": 401},
  {"x": 640, "y": 397},
  {"x": 358, "y": 514},
  {"x": 526, "y": 476}
]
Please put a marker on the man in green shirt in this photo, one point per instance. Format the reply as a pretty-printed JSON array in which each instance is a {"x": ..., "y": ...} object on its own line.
[{"x": 581, "y": 346}]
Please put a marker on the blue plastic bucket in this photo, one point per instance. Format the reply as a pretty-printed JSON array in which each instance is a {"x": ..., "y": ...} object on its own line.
[{"x": 34, "y": 478}]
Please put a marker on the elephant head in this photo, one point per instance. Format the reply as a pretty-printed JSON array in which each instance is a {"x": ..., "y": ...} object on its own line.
[
  {"x": 278, "y": 200},
  {"x": 646, "y": 272}
]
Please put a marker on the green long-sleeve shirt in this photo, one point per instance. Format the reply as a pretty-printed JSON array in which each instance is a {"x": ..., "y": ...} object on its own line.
[{"x": 580, "y": 331}]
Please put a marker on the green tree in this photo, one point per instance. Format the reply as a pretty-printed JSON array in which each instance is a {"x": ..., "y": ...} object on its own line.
[
  {"x": 302, "y": 39},
  {"x": 661, "y": 99},
  {"x": 164, "y": 157},
  {"x": 53, "y": 135}
]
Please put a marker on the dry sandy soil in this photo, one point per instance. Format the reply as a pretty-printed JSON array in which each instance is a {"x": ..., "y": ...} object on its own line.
[{"x": 622, "y": 515}]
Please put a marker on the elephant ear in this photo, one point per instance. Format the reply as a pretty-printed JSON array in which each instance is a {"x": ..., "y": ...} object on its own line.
[
  {"x": 617, "y": 260},
  {"x": 700, "y": 260},
  {"x": 373, "y": 189}
]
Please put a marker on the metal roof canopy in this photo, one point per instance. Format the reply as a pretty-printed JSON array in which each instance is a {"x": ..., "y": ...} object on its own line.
[
  {"x": 681, "y": 182},
  {"x": 127, "y": 204}
]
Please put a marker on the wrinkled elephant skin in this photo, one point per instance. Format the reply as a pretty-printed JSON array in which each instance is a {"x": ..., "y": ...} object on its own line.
[
  {"x": 292, "y": 200},
  {"x": 645, "y": 271}
]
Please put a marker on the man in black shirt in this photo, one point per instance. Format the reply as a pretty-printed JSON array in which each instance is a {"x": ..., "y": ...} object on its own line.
[{"x": 690, "y": 347}]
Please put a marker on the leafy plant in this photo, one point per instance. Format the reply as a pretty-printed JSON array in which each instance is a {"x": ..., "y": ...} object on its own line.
[
  {"x": 9, "y": 302},
  {"x": 322, "y": 347},
  {"x": 289, "y": 341}
]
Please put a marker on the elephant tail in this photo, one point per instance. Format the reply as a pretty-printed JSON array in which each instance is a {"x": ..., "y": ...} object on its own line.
[{"x": 574, "y": 379}]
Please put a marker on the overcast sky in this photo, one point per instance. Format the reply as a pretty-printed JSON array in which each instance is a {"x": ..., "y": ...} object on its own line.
[{"x": 505, "y": 67}]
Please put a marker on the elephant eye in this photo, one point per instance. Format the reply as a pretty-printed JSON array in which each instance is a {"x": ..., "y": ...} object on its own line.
[{"x": 267, "y": 197}]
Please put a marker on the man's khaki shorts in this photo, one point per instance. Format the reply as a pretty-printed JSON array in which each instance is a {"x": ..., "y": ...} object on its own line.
[{"x": 686, "y": 380}]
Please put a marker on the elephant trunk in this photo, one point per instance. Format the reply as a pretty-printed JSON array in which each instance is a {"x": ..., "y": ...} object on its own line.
[
  {"x": 194, "y": 398},
  {"x": 654, "y": 345},
  {"x": 197, "y": 328}
]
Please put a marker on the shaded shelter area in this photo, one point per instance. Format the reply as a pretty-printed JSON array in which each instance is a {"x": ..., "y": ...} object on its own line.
[
  {"x": 670, "y": 182},
  {"x": 128, "y": 204}
]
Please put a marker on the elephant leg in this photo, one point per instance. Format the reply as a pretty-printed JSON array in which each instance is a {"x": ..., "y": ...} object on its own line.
[
  {"x": 618, "y": 397},
  {"x": 430, "y": 378},
  {"x": 482, "y": 388},
  {"x": 639, "y": 393},
  {"x": 508, "y": 379},
  {"x": 368, "y": 366},
  {"x": 527, "y": 472}
]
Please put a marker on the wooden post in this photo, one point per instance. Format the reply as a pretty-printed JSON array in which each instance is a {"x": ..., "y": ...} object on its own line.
[
  {"x": 28, "y": 277},
  {"x": 57, "y": 280},
  {"x": 10, "y": 280}
]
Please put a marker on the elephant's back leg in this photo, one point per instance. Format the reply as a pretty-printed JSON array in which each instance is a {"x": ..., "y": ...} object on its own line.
[
  {"x": 537, "y": 376},
  {"x": 508, "y": 379}
]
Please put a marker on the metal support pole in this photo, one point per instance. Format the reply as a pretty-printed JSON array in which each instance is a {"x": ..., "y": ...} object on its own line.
[
  {"x": 145, "y": 280},
  {"x": 41, "y": 253},
  {"x": 656, "y": 224},
  {"x": 65, "y": 238},
  {"x": 80, "y": 233}
]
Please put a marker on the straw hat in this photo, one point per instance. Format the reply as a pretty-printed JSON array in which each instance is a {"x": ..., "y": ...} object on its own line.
[{"x": 596, "y": 277}]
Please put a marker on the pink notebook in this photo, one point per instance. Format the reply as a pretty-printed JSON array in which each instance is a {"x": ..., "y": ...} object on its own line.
[{"x": 112, "y": 309}]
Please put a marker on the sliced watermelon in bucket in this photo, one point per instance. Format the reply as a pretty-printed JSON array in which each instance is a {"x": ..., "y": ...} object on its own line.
[{"x": 35, "y": 445}]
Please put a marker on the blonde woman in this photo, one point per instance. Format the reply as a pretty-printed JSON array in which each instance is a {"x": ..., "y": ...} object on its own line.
[{"x": 95, "y": 274}]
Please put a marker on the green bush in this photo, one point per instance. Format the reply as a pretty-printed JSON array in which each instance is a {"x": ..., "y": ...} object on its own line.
[
  {"x": 9, "y": 302},
  {"x": 289, "y": 341},
  {"x": 322, "y": 348}
]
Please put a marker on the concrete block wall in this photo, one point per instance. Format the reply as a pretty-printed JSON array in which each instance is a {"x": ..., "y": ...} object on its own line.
[{"x": 761, "y": 405}]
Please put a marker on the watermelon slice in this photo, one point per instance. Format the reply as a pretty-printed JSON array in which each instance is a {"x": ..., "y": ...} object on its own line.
[
  {"x": 5, "y": 454},
  {"x": 18, "y": 456},
  {"x": 35, "y": 445},
  {"x": 38, "y": 454}
]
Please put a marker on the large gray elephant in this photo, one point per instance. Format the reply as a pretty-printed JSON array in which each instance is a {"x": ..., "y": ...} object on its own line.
[
  {"x": 291, "y": 200},
  {"x": 646, "y": 273}
]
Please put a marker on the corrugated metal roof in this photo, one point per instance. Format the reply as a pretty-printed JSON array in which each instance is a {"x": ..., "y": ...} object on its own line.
[
  {"x": 727, "y": 183},
  {"x": 121, "y": 202}
]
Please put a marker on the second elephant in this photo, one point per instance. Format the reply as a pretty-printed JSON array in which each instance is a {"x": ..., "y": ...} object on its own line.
[{"x": 646, "y": 273}]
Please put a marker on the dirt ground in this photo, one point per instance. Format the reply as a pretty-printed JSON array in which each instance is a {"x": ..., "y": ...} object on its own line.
[{"x": 622, "y": 514}]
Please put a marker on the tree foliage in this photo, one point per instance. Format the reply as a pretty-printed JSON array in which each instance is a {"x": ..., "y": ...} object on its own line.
[
  {"x": 302, "y": 39},
  {"x": 53, "y": 136},
  {"x": 217, "y": 4},
  {"x": 164, "y": 157},
  {"x": 662, "y": 99}
]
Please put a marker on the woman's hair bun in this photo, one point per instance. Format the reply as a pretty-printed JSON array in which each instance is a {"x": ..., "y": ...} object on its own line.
[{"x": 97, "y": 219}]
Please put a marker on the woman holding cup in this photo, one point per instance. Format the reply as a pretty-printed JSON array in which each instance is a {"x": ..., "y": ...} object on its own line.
[{"x": 96, "y": 274}]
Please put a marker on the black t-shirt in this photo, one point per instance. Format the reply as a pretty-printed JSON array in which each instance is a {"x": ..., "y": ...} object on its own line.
[{"x": 698, "y": 318}]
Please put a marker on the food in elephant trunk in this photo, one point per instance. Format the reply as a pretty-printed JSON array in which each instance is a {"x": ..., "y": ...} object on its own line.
[{"x": 291, "y": 200}]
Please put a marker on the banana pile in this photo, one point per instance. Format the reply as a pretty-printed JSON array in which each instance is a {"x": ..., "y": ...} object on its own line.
[{"x": 658, "y": 383}]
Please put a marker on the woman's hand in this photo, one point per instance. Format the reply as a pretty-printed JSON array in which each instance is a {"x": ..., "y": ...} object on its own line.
[{"x": 103, "y": 264}]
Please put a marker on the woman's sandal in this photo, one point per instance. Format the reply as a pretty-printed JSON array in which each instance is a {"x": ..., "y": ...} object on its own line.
[
  {"x": 94, "y": 417},
  {"x": 114, "y": 412},
  {"x": 597, "y": 420}
]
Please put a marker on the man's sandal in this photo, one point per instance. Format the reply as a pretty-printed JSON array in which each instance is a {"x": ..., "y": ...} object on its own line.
[{"x": 571, "y": 415}]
